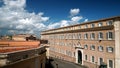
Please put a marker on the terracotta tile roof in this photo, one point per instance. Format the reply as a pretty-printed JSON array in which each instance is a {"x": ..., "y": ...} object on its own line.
[{"x": 9, "y": 46}]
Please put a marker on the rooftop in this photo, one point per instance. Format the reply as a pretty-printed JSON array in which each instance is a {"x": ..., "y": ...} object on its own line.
[
  {"x": 11, "y": 46},
  {"x": 84, "y": 23}
]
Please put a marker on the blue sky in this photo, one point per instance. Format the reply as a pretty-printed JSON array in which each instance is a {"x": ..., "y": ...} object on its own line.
[
  {"x": 34, "y": 16},
  {"x": 91, "y": 9}
]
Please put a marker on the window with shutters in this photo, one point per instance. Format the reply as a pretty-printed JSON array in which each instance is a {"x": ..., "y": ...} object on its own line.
[
  {"x": 92, "y": 47},
  {"x": 86, "y": 36},
  {"x": 100, "y": 61},
  {"x": 86, "y": 26},
  {"x": 100, "y": 48},
  {"x": 100, "y": 24},
  {"x": 92, "y": 25},
  {"x": 109, "y": 49},
  {"x": 110, "y": 35},
  {"x": 79, "y": 36},
  {"x": 110, "y": 64},
  {"x": 100, "y": 36},
  {"x": 92, "y": 36},
  {"x": 86, "y": 57},
  {"x": 110, "y": 22},
  {"x": 93, "y": 59},
  {"x": 86, "y": 46}
]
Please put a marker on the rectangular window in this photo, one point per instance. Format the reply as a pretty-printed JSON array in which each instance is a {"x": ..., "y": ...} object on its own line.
[
  {"x": 85, "y": 57},
  {"x": 79, "y": 27},
  {"x": 100, "y": 48},
  {"x": 79, "y": 36},
  {"x": 85, "y": 46},
  {"x": 86, "y": 26},
  {"x": 92, "y": 36},
  {"x": 101, "y": 61},
  {"x": 100, "y": 24},
  {"x": 100, "y": 35},
  {"x": 109, "y": 49},
  {"x": 110, "y": 22},
  {"x": 110, "y": 64},
  {"x": 93, "y": 59},
  {"x": 74, "y": 36},
  {"x": 92, "y": 47},
  {"x": 74, "y": 54},
  {"x": 86, "y": 36},
  {"x": 110, "y": 35},
  {"x": 92, "y": 25}
]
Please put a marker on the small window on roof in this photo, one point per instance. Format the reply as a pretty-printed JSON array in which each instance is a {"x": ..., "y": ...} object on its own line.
[{"x": 100, "y": 24}]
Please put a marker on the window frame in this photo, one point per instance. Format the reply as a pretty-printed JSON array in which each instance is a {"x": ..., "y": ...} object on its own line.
[
  {"x": 110, "y": 49},
  {"x": 110, "y": 22},
  {"x": 100, "y": 24},
  {"x": 109, "y": 35},
  {"x": 85, "y": 36},
  {"x": 92, "y": 59},
  {"x": 92, "y": 25},
  {"x": 86, "y": 57},
  {"x": 86, "y": 25},
  {"x": 100, "y": 35},
  {"x": 86, "y": 46},
  {"x": 92, "y": 36},
  {"x": 92, "y": 47},
  {"x": 99, "y": 48}
]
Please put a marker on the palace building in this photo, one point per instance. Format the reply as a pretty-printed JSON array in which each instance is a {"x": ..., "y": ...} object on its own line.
[{"x": 93, "y": 43}]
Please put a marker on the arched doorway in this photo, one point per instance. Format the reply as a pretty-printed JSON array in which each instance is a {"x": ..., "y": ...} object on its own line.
[{"x": 79, "y": 57}]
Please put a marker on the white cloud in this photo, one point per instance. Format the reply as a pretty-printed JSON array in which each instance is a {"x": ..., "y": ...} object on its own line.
[
  {"x": 74, "y": 12},
  {"x": 14, "y": 16},
  {"x": 86, "y": 20},
  {"x": 76, "y": 18},
  {"x": 64, "y": 23},
  {"x": 53, "y": 25},
  {"x": 15, "y": 3},
  {"x": 15, "y": 19}
]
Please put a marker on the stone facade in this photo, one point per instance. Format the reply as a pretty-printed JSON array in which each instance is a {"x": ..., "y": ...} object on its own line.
[{"x": 92, "y": 44}]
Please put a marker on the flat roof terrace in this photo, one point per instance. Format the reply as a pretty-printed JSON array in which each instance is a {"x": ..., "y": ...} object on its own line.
[{"x": 10, "y": 46}]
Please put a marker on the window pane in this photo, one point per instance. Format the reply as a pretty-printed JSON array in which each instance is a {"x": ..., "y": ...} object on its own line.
[
  {"x": 110, "y": 35},
  {"x": 101, "y": 61},
  {"x": 92, "y": 36},
  {"x": 100, "y": 35},
  {"x": 92, "y": 25},
  {"x": 110, "y": 49},
  {"x": 100, "y": 48},
  {"x": 92, "y": 47},
  {"x": 109, "y": 22},
  {"x": 110, "y": 64},
  {"x": 86, "y": 47},
  {"x": 92, "y": 58},
  {"x": 85, "y": 57},
  {"x": 100, "y": 24},
  {"x": 86, "y": 36}
]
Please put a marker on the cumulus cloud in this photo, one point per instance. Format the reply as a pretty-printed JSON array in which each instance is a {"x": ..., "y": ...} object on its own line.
[
  {"x": 53, "y": 25},
  {"x": 74, "y": 12},
  {"x": 14, "y": 17},
  {"x": 62, "y": 23},
  {"x": 76, "y": 18}
]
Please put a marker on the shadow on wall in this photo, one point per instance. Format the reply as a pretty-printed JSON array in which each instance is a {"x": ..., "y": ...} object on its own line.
[{"x": 49, "y": 63}]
